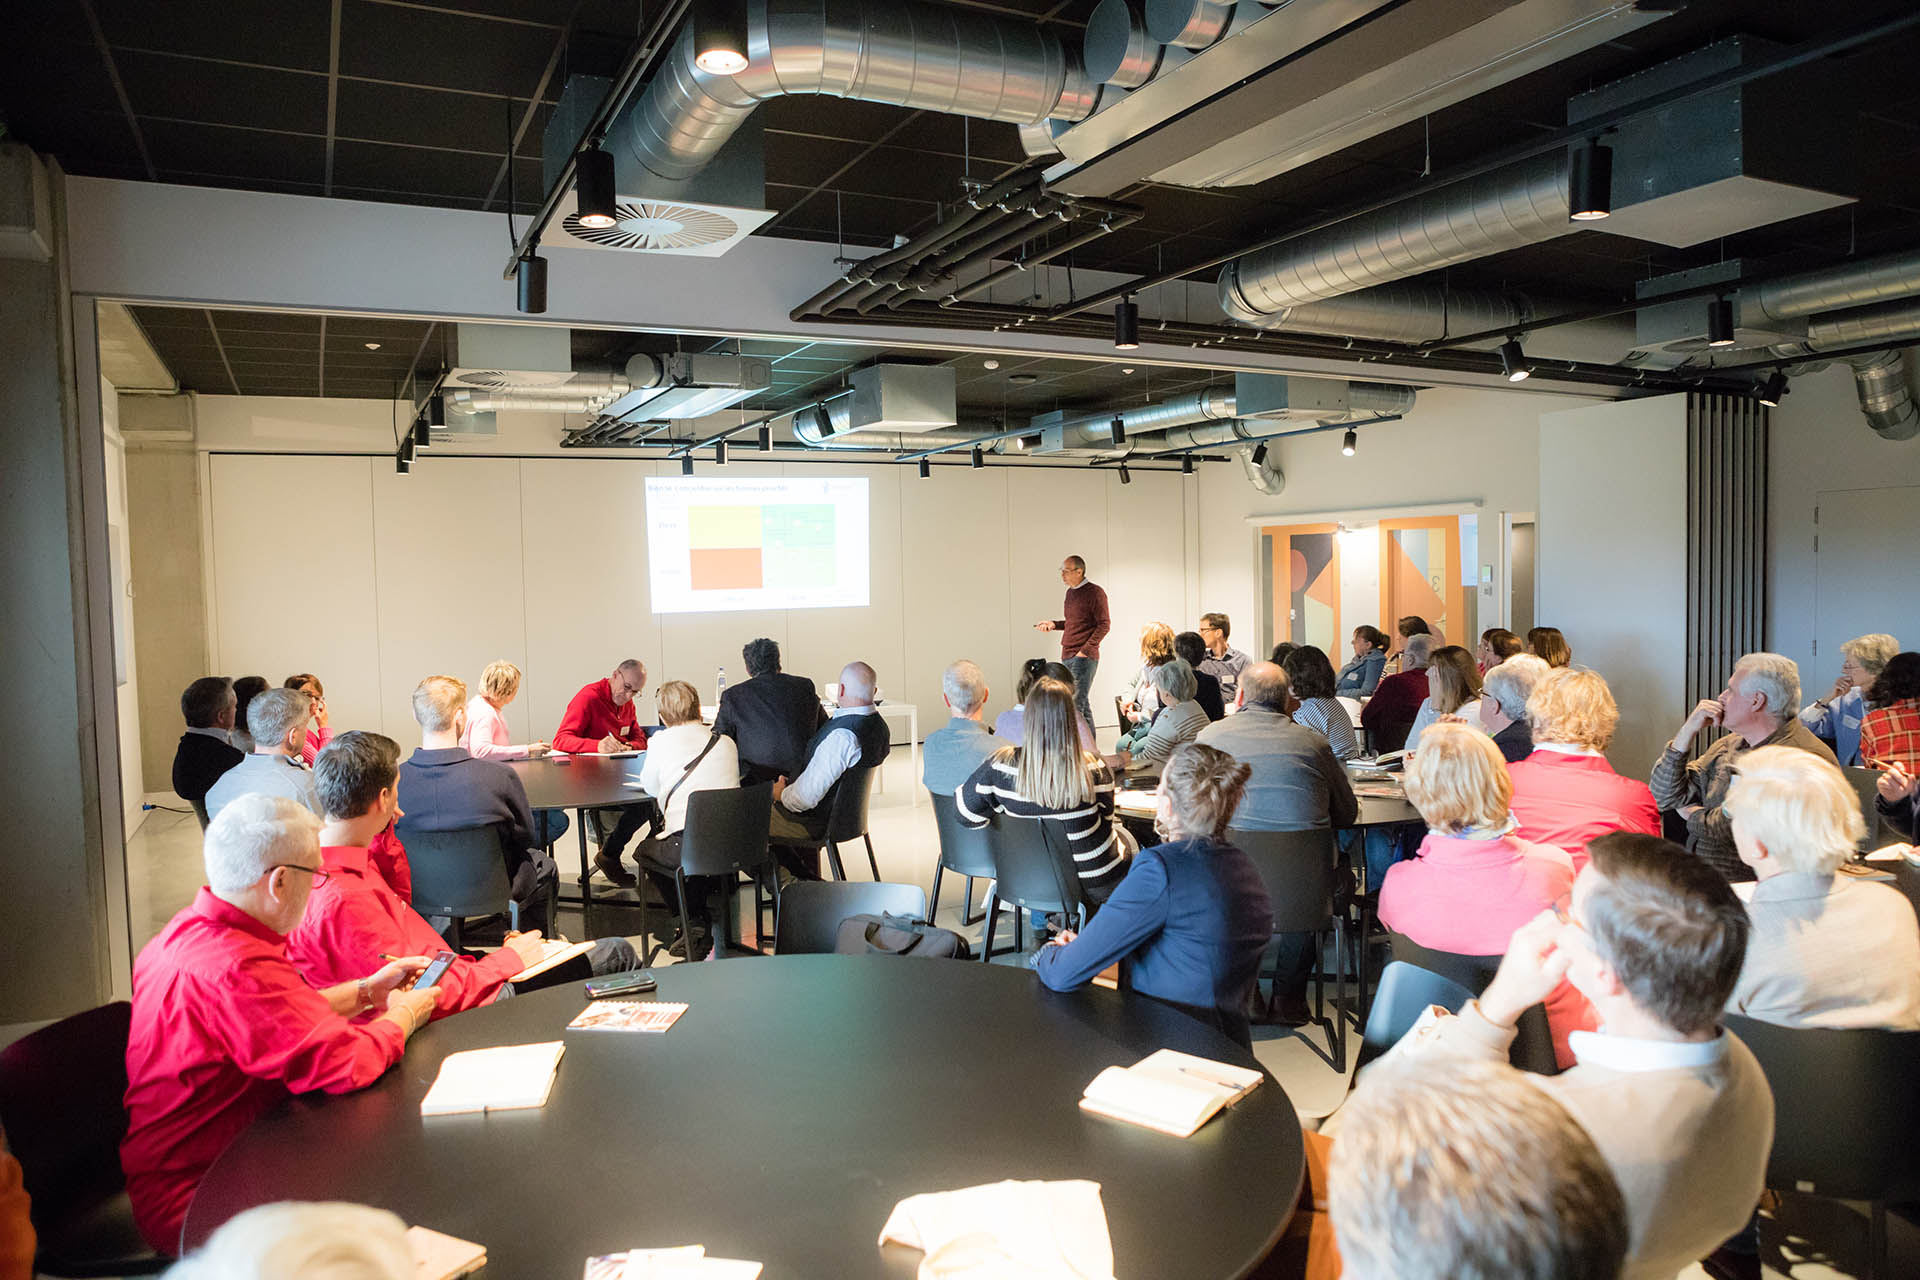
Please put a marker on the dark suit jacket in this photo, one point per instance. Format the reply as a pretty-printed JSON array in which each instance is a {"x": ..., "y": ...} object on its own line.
[
  {"x": 771, "y": 719},
  {"x": 197, "y": 764}
]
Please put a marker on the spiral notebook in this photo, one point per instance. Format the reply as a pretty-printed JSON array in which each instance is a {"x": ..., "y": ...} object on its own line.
[{"x": 513, "y": 1077}]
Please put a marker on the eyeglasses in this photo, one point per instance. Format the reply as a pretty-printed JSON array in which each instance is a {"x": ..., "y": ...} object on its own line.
[{"x": 319, "y": 874}]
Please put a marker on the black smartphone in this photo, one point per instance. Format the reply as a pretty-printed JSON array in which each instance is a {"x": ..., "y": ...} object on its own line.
[
  {"x": 631, "y": 983},
  {"x": 439, "y": 965}
]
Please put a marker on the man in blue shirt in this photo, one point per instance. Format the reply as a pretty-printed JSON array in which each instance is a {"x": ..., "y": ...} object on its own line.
[{"x": 951, "y": 754}]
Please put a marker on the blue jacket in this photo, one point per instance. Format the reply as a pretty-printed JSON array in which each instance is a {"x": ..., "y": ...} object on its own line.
[
  {"x": 1189, "y": 923},
  {"x": 1358, "y": 677},
  {"x": 1839, "y": 723}
]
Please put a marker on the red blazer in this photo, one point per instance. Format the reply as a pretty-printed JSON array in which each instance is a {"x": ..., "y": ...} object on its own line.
[{"x": 1567, "y": 800}]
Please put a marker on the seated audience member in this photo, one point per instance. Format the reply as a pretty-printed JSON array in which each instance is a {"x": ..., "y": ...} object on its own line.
[
  {"x": 1890, "y": 732},
  {"x": 683, "y": 758},
  {"x": 1190, "y": 921},
  {"x": 1548, "y": 645},
  {"x": 448, "y": 790},
  {"x": 1389, "y": 715},
  {"x": 1280, "y": 651},
  {"x": 1497, "y": 644},
  {"x": 1362, "y": 673},
  {"x": 1827, "y": 950},
  {"x": 1757, "y": 710},
  {"x": 1140, "y": 701},
  {"x": 1453, "y": 689},
  {"x": 1477, "y": 1174},
  {"x": 952, "y": 752},
  {"x": 1009, "y": 725},
  {"x": 1677, "y": 1105},
  {"x": 486, "y": 736},
  {"x": 1223, "y": 662},
  {"x": 1310, "y": 682},
  {"x": 1406, "y": 629},
  {"x": 245, "y": 690},
  {"x": 602, "y": 719},
  {"x": 1296, "y": 783},
  {"x": 1503, "y": 705},
  {"x": 771, "y": 716},
  {"x": 1192, "y": 650},
  {"x": 326, "y": 1240},
  {"x": 1835, "y": 719},
  {"x": 1179, "y": 719},
  {"x": 1472, "y": 882},
  {"x": 277, "y": 720},
  {"x": 1565, "y": 793},
  {"x": 318, "y": 734},
  {"x": 853, "y": 737},
  {"x": 1050, "y": 777},
  {"x": 1899, "y": 801},
  {"x": 223, "y": 1027},
  {"x": 206, "y": 750}
]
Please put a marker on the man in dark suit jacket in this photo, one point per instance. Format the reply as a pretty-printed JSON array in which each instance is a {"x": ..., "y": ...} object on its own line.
[
  {"x": 205, "y": 751},
  {"x": 771, "y": 716}
]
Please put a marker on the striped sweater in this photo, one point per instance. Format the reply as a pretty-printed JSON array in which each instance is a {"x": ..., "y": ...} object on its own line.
[{"x": 1099, "y": 848}]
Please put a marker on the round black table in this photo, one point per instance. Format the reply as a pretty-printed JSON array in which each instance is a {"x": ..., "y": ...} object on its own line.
[
  {"x": 781, "y": 1118},
  {"x": 582, "y": 783}
]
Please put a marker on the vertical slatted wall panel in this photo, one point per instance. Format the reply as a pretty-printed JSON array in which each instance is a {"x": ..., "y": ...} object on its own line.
[{"x": 1726, "y": 538}]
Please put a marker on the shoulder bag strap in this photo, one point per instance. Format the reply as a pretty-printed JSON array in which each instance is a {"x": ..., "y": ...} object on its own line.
[{"x": 692, "y": 764}]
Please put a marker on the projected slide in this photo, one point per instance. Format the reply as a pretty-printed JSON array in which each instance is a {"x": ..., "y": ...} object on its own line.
[{"x": 776, "y": 543}]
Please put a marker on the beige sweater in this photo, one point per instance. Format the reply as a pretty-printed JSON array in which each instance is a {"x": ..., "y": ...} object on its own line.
[{"x": 1829, "y": 951}]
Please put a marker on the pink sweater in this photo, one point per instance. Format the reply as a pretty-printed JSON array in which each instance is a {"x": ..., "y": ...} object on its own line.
[{"x": 486, "y": 735}]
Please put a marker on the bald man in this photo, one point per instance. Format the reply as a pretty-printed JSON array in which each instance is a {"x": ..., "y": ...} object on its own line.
[{"x": 854, "y": 736}]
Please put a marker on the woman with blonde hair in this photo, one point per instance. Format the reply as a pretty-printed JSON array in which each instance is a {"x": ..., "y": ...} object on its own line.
[
  {"x": 1547, "y": 644},
  {"x": 1565, "y": 793},
  {"x": 1453, "y": 683},
  {"x": 1049, "y": 777},
  {"x": 1191, "y": 920},
  {"x": 681, "y": 759},
  {"x": 486, "y": 736},
  {"x": 1141, "y": 700}
]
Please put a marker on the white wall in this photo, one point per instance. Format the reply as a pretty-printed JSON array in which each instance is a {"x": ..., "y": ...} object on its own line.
[{"x": 127, "y": 695}]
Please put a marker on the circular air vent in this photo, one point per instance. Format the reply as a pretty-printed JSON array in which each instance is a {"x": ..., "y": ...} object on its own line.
[
  {"x": 504, "y": 380},
  {"x": 648, "y": 224}
]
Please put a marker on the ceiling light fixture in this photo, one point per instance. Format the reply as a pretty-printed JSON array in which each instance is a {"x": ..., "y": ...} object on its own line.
[
  {"x": 400, "y": 463},
  {"x": 1774, "y": 389},
  {"x": 593, "y": 194},
  {"x": 437, "y": 409},
  {"x": 926, "y": 469},
  {"x": 720, "y": 37},
  {"x": 720, "y": 453},
  {"x": 1513, "y": 361},
  {"x": 406, "y": 448},
  {"x": 1349, "y": 442},
  {"x": 1126, "y": 325},
  {"x": 1126, "y": 476},
  {"x": 1126, "y": 368},
  {"x": 1590, "y": 182},
  {"x": 989, "y": 364},
  {"x": 1186, "y": 464},
  {"x": 371, "y": 346},
  {"x": 1118, "y": 431},
  {"x": 422, "y": 435},
  {"x": 979, "y": 457},
  {"x": 1260, "y": 453},
  {"x": 686, "y": 464},
  {"x": 530, "y": 273},
  {"x": 766, "y": 437},
  {"x": 1720, "y": 323}
]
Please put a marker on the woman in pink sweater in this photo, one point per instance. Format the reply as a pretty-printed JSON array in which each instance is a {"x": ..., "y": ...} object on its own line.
[
  {"x": 319, "y": 733},
  {"x": 1472, "y": 881},
  {"x": 486, "y": 737}
]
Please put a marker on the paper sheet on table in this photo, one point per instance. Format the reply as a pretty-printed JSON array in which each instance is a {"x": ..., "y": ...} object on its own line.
[
  {"x": 1892, "y": 853},
  {"x": 684, "y": 1262},
  {"x": 438, "y": 1256},
  {"x": 1007, "y": 1231}
]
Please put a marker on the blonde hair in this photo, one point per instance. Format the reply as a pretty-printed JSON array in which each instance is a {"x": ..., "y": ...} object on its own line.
[
  {"x": 1799, "y": 806},
  {"x": 1573, "y": 705},
  {"x": 1452, "y": 679},
  {"x": 437, "y": 701},
  {"x": 1458, "y": 780},
  {"x": 679, "y": 702},
  {"x": 1203, "y": 785},
  {"x": 1054, "y": 772},
  {"x": 500, "y": 680},
  {"x": 1156, "y": 643},
  {"x": 1872, "y": 651}
]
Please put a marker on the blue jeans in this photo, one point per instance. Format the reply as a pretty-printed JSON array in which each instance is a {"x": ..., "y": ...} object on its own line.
[{"x": 1083, "y": 669}]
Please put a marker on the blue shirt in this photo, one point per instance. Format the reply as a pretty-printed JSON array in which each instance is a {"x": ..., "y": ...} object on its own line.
[
  {"x": 1358, "y": 677},
  {"x": 950, "y": 755},
  {"x": 1839, "y": 723}
]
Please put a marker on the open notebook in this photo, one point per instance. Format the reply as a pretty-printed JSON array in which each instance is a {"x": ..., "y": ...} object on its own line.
[
  {"x": 554, "y": 951},
  {"x": 511, "y": 1078},
  {"x": 1168, "y": 1090}
]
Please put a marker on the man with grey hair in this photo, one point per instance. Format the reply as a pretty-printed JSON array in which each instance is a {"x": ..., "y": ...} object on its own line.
[
  {"x": 223, "y": 1027},
  {"x": 1389, "y": 715},
  {"x": 854, "y": 736},
  {"x": 277, "y": 720},
  {"x": 1180, "y": 718},
  {"x": 1756, "y": 709},
  {"x": 1836, "y": 718},
  {"x": 951, "y": 753},
  {"x": 1503, "y": 703},
  {"x": 1083, "y": 623}
]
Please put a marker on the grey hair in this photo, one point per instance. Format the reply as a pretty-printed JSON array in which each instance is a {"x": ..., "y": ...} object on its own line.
[
  {"x": 1775, "y": 677},
  {"x": 1175, "y": 680},
  {"x": 1873, "y": 651},
  {"x": 965, "y": 686},
  {"x": 253, "y": 834},
  {"x": 1419, "y": 648},
  {"x": 322, "y": 1241},
  {"x": 1511, "y": 683},
  {"x": 1473, "y": 1175},
  {"x": 274, "y": 713}
]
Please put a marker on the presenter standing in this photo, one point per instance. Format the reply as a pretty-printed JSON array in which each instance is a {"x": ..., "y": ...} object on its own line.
[{"x": 1081, "y": 631}]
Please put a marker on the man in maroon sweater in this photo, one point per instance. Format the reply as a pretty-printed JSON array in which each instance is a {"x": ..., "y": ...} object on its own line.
[
  {"x": 1389, "y": 714},
  {"x": 1081, "y": 630}
]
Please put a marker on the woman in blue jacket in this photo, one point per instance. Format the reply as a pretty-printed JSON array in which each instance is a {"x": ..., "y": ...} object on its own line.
[{"x": 1358, "y": 677}]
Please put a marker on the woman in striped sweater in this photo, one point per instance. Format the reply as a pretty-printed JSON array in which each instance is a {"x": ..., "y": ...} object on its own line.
[{"x": 1050, "y": 778}]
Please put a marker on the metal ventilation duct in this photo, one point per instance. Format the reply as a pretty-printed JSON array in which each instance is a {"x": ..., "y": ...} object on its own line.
[
  {"x": 1405, "y": 311},
  {"x": 1873, "y": 280},
  {"x": 829, "y": 426},
  {"x": 910, "y": 54},
  {"x": 1881, "y": 382}
]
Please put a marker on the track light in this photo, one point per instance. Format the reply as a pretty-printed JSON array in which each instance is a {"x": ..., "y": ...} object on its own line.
[
  {"x": 926, "y": 469},
  {"x": 1720, "y": 323},
  {"x": 1774, "y": 389},
  {"x": 686, "y": 464},
  {"x": 1126, "y": 325},
  {"x": 979, "y": 457},
  {"x": 1590, "y": 183},
  {"x": 1119, "y": 431},
  {"x": 401, "y": 463},
  {"x": 1260, "y": 453},
  {"x": 720, "y": 37},
  {"x": 1186, "y": 464},
  {"x": 1349, "y": 442},
  {"x": 766, "y": 437},
  {"x": 422, "y": 434},
  {"x": 1513, "y": 361},
  {"x": 1126, "y": 476},
  {"x": 437, "y": 409},
  {"x": 593, "y": 196},
  {"x": 720, "y": 453},
  {"x": 531, "y": 275}
]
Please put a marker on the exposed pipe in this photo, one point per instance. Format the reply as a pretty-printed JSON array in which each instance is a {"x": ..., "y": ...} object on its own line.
[
  {"x": 1405, "y": 311},
  {"x": 517, "y": 401},
  {"x": 805, "y": 425},
  {"x": 1881, "y": 382},
  {"x": 1264, "y": 475},
  {"x": 905, "y": 52},
  {"x": 1857, "y": 284},
  {"x": 1177, "y": 423}
]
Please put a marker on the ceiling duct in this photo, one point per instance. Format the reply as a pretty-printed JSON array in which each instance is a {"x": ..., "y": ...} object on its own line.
[
  {"x": 1881, "y": 382},
  {"x": 828, "y": 425},
  {"x": 1216, "y": 415},
  {"x": 665, "y": 387},
  {"x": 1404, "y": 311},
  {"x": 516, "y": 367}
]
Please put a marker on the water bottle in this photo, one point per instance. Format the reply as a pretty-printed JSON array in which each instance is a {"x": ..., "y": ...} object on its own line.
[{"x": 720, "y": 685}]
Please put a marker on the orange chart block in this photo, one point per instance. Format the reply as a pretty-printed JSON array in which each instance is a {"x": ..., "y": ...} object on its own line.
[{"x": 725, "y": 568}]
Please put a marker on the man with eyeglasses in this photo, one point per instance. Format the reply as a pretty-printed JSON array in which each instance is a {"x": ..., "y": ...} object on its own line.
[
  {"x": 223, "y": 1026},
  {"x": 602, "y": 719},
  {"x": 1086, "y": 623}
]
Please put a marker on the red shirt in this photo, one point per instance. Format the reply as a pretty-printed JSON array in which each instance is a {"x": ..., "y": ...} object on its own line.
[
  {"x": 354, "y": 917},
  {"x": 223, "y": 1028},
  {"x": 1891, "y": 735},
  {"x": 1567, "y": 800},
  {"x": 591, "y": 716},
  {"x": 389, "y": 858}
]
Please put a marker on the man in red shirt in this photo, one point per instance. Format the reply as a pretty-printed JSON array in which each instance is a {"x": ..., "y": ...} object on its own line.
[
  {"x": 223, "y": 1025},
  {"x": 601, "y": 719},
  {"x": 1086, "y": 623}
]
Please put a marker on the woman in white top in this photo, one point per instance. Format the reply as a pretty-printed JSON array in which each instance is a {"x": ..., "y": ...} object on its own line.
[
  {"x": 681, "y": 759},
  {"x": 1453, "y": 683},
  {"x": 486, "y": 735}
]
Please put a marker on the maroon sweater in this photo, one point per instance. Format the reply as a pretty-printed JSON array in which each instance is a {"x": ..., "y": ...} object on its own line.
[{"x": 1086, "y": 622}]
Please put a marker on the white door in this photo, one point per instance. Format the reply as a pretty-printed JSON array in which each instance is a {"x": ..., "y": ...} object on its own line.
[{"x": 1862, "y": 578}]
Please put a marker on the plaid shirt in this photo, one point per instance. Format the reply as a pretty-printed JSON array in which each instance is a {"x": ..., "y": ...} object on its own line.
[{"x": 1891, "y": 735}]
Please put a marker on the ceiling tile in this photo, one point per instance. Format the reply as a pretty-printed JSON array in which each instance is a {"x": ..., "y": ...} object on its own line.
[
  {"x": 185, "y": 89},
  {"x": 425, "y": 117},
  {"x": 212, "y": 151},
  {"x": 411, "y": 169},
  {"x": 444, "y": 50},
  {"x": 277, "y": 33}
]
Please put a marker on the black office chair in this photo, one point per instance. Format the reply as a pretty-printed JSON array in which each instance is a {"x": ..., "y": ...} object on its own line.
[
  {"x": 810, "y": 911},
  {"x": 963, "y": 851},
  {"x": 846, "y": 820},
  {"x": 1845, "y": 1111},
  {"x": 1533, "y": 1039},
  {"x": 725, "y": 836},
  {"x": 1866, "y": 785},
  {"x": 1405, "y": 992},
  {"x": 1385, "y": 739},
  {"x": 1033, "y": 870},
  {"x": 1299, "y": 869},
  {"x": 462, "y": 873},
  {"x": 62, "y": 1101}
]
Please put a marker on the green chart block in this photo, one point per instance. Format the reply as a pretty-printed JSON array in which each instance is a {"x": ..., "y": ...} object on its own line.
[{"x": 797, "y": 545}]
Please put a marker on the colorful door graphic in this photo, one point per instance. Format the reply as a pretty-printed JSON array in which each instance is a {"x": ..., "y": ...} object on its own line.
[
  {"x": 1304, "y": 596},
  {"x": 1420, "y": 574}
]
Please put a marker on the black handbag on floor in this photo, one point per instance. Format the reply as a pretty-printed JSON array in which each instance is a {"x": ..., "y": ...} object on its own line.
[{"x": 890, "y": 935}]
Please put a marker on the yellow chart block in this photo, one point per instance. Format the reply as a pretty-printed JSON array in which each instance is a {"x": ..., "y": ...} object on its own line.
[{"x": 712, "y": 527}]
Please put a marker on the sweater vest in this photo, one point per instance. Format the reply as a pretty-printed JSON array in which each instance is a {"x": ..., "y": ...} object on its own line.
[{"x": 870, "y": 731}]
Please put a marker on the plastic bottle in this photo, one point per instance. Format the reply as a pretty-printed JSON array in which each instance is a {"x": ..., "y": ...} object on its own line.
[{"x": 720, "y": 685}]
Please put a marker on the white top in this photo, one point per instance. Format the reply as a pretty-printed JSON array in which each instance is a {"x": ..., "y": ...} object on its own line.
[
  {"x": 668, "y": 753},
  {"x": 1624, "y": 1053},
  {"x": 486, "y": 736},
  {"x": 1568, "y": 748}
]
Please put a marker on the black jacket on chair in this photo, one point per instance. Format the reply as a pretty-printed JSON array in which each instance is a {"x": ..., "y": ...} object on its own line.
[
  {"x": 771, "y": 719},
  {"x": 198, "y": 763}
]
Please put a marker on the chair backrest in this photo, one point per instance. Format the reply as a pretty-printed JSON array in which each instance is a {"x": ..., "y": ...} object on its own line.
[
  {"x": 847, "y": 806},
  {"x": 1866, "y": 785},
  {"x": 1404, "y": 993},
  {"x": 63, "y": 1103},
  {"x": 458, "y": 873},
  {"x": 1845, "y": 1108},
  {"x": 1033, "y": 865},
  {"x": 1533, "y": 1037},
  {"x": 811, "y": 910},
  {"x": 1297, "y": 867},
  {"x": 1388, "y": 737},
  {"x": 726, "y": 831},
  {"x": 963, "y": 849}
]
